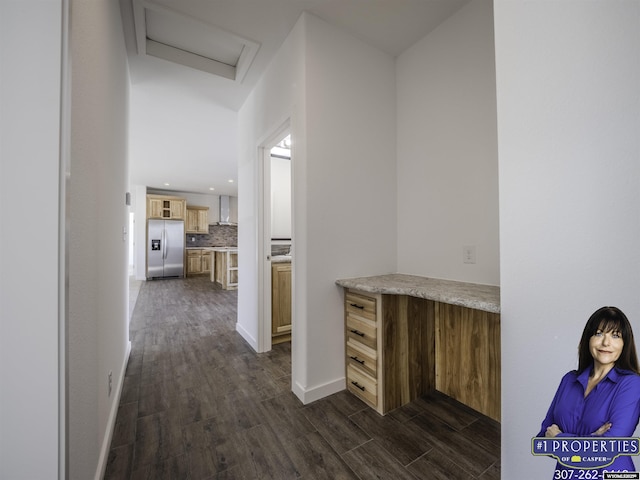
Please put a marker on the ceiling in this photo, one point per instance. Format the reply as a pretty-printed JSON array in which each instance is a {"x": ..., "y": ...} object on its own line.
[{"x": 194, "y": 62}]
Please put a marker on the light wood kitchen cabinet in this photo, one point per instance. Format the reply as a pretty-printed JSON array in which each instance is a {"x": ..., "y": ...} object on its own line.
[
  {"x": 206, "y": 261},
  {"x": 198, "y": 261},
  {"x": 166, "y": 207},
  {"x": 194, "y": 261},
  {"x": 280, "y": 302},
  {"x": 197, "y": 219}
]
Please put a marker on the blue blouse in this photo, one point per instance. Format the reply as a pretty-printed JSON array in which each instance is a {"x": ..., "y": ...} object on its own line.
[{"x": 615, "y": 399}]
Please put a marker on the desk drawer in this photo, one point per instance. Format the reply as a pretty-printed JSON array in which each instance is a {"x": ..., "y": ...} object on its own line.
[
  {"x": 362, "y": 331},
  {"x": 360, "y": 306},
  {"x": 363, "y": 386},
  {"x": 362, "y": 357}
]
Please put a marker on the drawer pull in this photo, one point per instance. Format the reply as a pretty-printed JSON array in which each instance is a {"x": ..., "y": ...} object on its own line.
[
  {"x": 361, "y": 362},
  {"x": 360, "y": 334},
  {"x": 357, "y": 386},
  {"x": 355, "y": 305}
]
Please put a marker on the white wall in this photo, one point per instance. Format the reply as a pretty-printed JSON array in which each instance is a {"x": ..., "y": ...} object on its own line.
[
  {"x": 280, "y": 197},
  {"x": 170, "y": 122},
  {"x": 447, "y": 150},
  {"x": 30, "y": 128},
  {"x": 277, "y": 98},
  {"x": 340, "y": 96},
  {"x": 350, "y": 196},
  {"x": 98, "y": 287},
  {"x": 568, "y": 124}
]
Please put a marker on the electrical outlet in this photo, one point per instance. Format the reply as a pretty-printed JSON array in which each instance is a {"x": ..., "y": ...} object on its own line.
[
  {"x": 110, "y": 383},
  {"x": 469, "y": 254}
]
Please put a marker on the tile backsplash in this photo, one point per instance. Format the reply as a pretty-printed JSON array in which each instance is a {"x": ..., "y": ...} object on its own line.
[
  {"x": 218, "y": 236},
  {"x": 280, "y": 249},
  {"x": 227, "y": 236}
]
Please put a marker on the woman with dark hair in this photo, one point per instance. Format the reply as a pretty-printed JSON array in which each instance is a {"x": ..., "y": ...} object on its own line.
[{"x": 602, "y": 397}]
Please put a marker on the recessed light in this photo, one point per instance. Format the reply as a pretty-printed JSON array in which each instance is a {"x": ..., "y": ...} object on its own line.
[
  {"x": 231, "y": 180},
  {"x": 166, "y": 184},
  {"x": 211, "y": 188}
]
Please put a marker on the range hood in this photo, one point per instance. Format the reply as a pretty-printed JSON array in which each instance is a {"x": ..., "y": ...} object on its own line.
[{"x": 224, "y": 210}]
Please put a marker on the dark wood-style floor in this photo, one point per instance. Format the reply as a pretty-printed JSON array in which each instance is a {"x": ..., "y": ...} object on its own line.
[{"x": 199, "y": 403}]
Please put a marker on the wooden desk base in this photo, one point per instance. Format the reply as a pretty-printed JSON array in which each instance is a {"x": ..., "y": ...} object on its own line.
[{"x": 424, "y": 345}]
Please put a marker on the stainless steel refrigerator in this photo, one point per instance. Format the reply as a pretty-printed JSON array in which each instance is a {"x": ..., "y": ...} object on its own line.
[{"x": 165, "y": 248}]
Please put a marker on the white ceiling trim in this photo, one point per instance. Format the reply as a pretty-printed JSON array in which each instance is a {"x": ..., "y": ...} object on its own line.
[{"x": 148, "y": 46}]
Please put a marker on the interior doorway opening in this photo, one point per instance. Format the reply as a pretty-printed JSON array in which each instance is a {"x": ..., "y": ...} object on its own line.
[
  {"x": 276, "y": 323},
  {"x": 281, "y": 244}
]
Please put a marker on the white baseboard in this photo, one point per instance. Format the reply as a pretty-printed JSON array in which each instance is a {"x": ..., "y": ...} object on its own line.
[
  {"x": 111, "y": 422},
  {"x": 250, "y": 340},
  {"x": 309, "y": 395}
]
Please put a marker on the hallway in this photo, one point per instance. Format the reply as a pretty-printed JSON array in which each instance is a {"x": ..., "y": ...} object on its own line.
[{"x": 199, "y": 403}]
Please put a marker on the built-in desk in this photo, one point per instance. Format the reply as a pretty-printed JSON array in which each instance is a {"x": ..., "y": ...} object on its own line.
[{"x": 407, "y": 335}]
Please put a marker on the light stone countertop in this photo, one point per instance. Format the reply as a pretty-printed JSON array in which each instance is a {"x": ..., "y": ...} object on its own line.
[
  {"x": 221, "y": 249},
  {"x": 213, "y": 249},
  {"x": 471, "y": 295},
  {"x": 281, "y": 259}
]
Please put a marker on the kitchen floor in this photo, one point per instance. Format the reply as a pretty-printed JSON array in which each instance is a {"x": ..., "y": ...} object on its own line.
[{"x": 199, "y": 403}]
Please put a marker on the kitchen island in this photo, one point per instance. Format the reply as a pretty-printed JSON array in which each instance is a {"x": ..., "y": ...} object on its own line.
[
  {"x": 224, "y": 268},
  {"x": 407, "y": 335}
]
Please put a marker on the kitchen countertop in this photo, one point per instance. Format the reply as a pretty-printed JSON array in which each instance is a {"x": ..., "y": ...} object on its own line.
[
  {"x": 281, "y": 259},
  {"x": 471, "y": 295}
]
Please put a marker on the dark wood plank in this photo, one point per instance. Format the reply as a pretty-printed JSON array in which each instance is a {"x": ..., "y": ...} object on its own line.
[
  {"x": 372, "y": 461},
  {"x": 169, "y": 468},
  {"x": 119, "y": 463},
  {"x": 405, "y": 441},
  {"x": 492, "y": 473},
  {"x": 449, "y": 411},
  {"x": 268, "y": 455},
  {"x": 158, "y": 436},
  {"x": 124, "y": 432},
  {"x": 335, "y": 426},
  {"x": 437, "y": 465},
  {"x": 314, "y": 458},
  {"x": 467, "y": 454},
  {"x": 285, "y": 415}
]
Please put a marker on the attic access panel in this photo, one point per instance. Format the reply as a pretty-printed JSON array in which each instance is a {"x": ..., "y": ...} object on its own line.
[{"x": 165, "y": 33}]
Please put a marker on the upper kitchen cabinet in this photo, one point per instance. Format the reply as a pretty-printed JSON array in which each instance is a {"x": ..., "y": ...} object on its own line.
[
  {"x": 197, "y": 220},
  {"x": 166, "y": 207}
]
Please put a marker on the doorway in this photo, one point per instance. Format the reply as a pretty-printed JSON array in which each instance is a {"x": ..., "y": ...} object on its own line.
[{"x": 277, "y": 246}]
